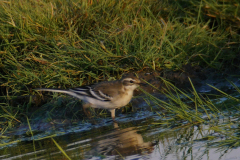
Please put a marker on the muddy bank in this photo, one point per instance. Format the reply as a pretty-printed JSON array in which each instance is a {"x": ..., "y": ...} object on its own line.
[{"x": 199, "y": 77}]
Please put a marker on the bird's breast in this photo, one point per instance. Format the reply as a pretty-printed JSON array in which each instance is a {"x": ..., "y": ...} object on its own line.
[{"x": 123, "y": 99}]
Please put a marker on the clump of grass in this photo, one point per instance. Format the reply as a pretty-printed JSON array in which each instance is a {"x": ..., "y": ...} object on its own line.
[
  {"x": 9, "y": 117},
  {"x": 221, "y": 12},
  {"x": 187, "y": 106}
]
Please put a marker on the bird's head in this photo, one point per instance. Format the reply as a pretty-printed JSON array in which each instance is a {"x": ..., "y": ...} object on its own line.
[{"x": 131, "y": 83}]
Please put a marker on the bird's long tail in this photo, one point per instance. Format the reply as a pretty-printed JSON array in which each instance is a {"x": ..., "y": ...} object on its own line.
[
  {"x": 52, "y": 90},
  {"x": 69, "y": 92}
]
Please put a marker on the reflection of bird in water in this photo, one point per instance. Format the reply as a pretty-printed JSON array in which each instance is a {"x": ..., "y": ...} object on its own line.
[{"x": 122, "y": 142}]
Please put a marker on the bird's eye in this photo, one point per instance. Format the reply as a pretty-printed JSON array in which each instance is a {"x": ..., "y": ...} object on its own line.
[{"x": 131, "y": 81}]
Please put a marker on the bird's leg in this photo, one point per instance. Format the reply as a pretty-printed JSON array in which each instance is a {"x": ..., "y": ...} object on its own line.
[
  {"x": 115, "y": 125},
  {"x": 112, "y": 114},
  {"x": 87, "y": 113}
]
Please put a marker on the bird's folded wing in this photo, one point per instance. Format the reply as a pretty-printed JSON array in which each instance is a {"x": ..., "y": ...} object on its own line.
[{"x": 96, "y": 92}]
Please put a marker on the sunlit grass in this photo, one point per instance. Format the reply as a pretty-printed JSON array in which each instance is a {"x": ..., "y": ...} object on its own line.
[{"x": 69, "y": 43}]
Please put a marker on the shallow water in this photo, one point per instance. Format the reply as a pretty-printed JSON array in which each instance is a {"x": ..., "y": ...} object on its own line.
[{"x": 141, "y": 138}]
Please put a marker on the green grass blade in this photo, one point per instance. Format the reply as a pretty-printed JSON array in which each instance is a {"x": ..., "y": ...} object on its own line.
[{"x": 60, "y": 148}]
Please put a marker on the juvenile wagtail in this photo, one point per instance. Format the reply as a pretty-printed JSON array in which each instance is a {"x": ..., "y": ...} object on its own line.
[{"x": 105, "y": 95}]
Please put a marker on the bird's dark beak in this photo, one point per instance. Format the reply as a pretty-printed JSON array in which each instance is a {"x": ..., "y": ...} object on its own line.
[{"x": 142, "y": 84}]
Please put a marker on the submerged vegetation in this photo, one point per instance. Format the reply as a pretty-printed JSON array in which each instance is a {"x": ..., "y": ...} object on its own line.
[{"x": 62, "y": 44}]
